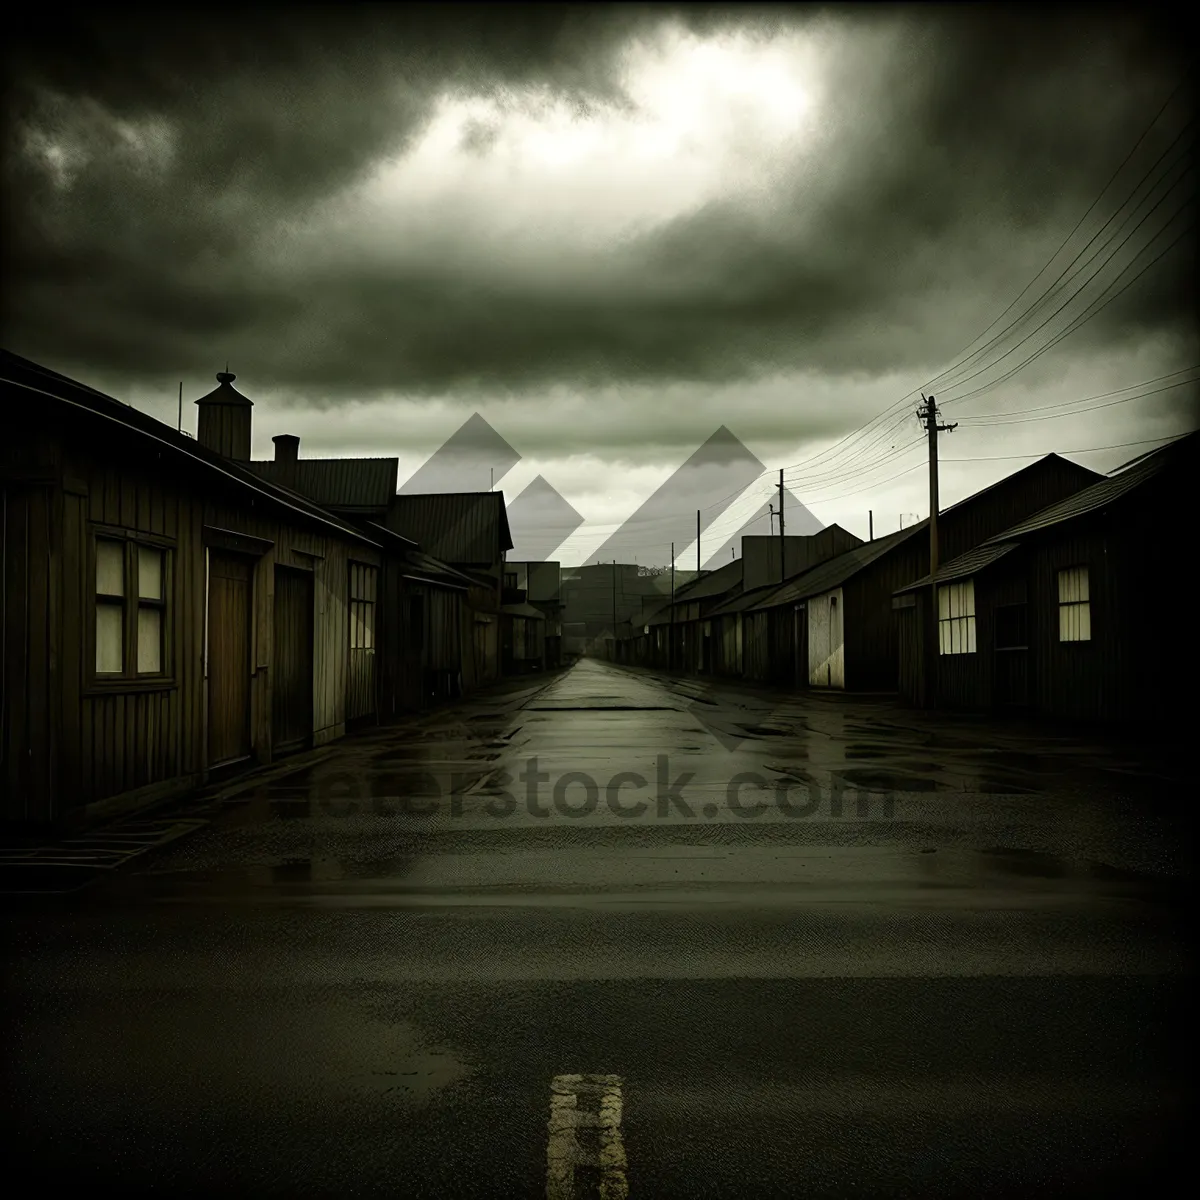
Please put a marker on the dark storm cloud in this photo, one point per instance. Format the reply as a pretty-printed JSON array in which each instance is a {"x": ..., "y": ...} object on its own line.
[{"x": 962, "y": 146}]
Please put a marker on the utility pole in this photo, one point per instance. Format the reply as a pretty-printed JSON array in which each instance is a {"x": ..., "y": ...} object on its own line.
[
  {"x": 870, "y": 525},
  {"x": 697, "y": 543},
  {"x": 928, "y": 414},
  {"x": 181, "y": 406},
  {"x": 782, "y": 543},
  {"x": 614, "y": 590},
  {"x": 671, "y": 638},
  {"x": 929, "y": 418}
]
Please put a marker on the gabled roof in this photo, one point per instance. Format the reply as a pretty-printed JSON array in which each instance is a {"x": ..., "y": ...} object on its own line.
[
  {"x": 457, "y": 527},
  {"x": 359, "y": 484},
  {"x": 1082, "y": 472},
  {"x": 1103, "y": 494},
  {"x": 715, "y": 583},
  {"x": 710, "y": 585},
  {"x": 964, "y": 566},
  {"x": 834, "y": 572},
  {"x": 152, "y": 433},
  {"x": 744, "y": 600}
]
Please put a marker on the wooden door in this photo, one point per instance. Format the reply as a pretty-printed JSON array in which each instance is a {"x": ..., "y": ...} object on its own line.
[
  {"x": 361, "y": 702},
  {"x": 292, "y": 661},
  {"x": 1011, "y": 640},
  {"x": 229, "y": 591}
]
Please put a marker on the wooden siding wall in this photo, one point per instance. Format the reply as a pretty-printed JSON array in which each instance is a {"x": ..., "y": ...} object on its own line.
[
  {"x": 126, "y": 737},
  {"x": 1011, "y": 501},
  {"x": 756, "y": 646},
  {"x": 872, "y": 656},
  {"x": 910, "y": 633},
  {"x": 30, "y": 652},
  {"x": 1079, "y": 680},
  {"x": 225, "y": 428},
  {"x": 117, "y": 738},
  {"x": 826, "y": 640}
]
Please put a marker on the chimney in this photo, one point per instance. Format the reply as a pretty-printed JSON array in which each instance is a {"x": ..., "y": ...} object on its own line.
[
  {"x": 224, "y": 424},
  {"x": 287, "y": 447}
]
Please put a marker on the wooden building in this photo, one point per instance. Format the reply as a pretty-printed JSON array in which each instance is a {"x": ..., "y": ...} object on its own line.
[
  {"x": 469, "y": 531},
  {"x": 688, "y": 635},
  {"x": 1051, "y": 616},
  {"x": 539, "y": 584},
  {"x": 852, "y": 640},
  {"x": 523, "y": 633},
  {"x": 421, "y": 609},
  {"x": 767, "y": 643},
  {"x": 168, "y": 614}
]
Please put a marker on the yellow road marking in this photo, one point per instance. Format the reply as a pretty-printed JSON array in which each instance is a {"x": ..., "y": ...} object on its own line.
[{"x": 590, "y": 1102}]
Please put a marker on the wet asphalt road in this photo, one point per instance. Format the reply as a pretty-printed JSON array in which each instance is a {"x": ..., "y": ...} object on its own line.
[{"x": 896, "y": 958}]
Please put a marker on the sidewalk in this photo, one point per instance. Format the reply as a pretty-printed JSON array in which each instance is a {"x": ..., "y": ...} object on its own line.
[{"x": 65, "y": 866}]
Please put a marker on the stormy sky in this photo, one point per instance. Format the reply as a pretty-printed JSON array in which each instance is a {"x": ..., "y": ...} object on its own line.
[{"x": 611, "y": 232}]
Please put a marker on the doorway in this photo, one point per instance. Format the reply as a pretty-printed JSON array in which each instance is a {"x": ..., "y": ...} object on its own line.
[{"x": 229, "y": 667}]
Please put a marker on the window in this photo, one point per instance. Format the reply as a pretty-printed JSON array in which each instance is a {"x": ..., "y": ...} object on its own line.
[
  {"x": 362, "y": 607},
  {"x": 1074, "y": 606},
  {"x": 510, "y": 579},
  {"x": 131, "y": 608},
  {"x": 110, "y": 607},
  {"x": 956, "y": 618}
]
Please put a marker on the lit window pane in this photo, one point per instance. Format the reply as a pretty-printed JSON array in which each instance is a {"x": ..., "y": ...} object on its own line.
[
  {"x": 149, "y": 641},
  {"x": 110, "y": 568},
  {"x": 368, "y": 622},
  {"x": 970, "y": 635},
  {"x": 943, "y": 603},
  {"x": 1081, "y": 584},
  {"x": 150, "y": 580},
  {"x": 110, "y": 640},
  {"x": 969, "y": 598},
  {"x": 1085, "y": 623}
]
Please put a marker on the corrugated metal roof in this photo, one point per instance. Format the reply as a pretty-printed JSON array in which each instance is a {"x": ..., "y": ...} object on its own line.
[
  {"x": 382, "y": 531},
  {"x": 708, "y": 586},
  {"x": 457, "y": 527},
  {"x": 355, "y": 483},
  {"x": 833, "y": 573},
  {"x": 744, "y": 601},
  {"x": 715, "y": 583},
  {"x": 962, "y": 567},
  {"x": 425, "y": 566},
  {"x": 523, "y": 610},
  {"x": 1099, "y": 495},
  {"x": 24, "y": 373}
]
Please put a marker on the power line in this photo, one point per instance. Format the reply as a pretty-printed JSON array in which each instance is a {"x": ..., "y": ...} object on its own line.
[
  {"x": 935, "y": 381},
  {"x": 1075, "y": 295},
  {"x": 943, "y": 381},
  {"x": 1088, "y": 313},
  {"x": 1090, "y": 408},
  {"x": 1086, "y": 450}
]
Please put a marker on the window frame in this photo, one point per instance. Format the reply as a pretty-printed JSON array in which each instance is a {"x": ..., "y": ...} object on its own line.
[
  {"x": 1084, "y": 605},
  {"x": 130, "y": 679},
  {"x": 359, "y": 606},
  {"x": 962, "y": 624}
]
